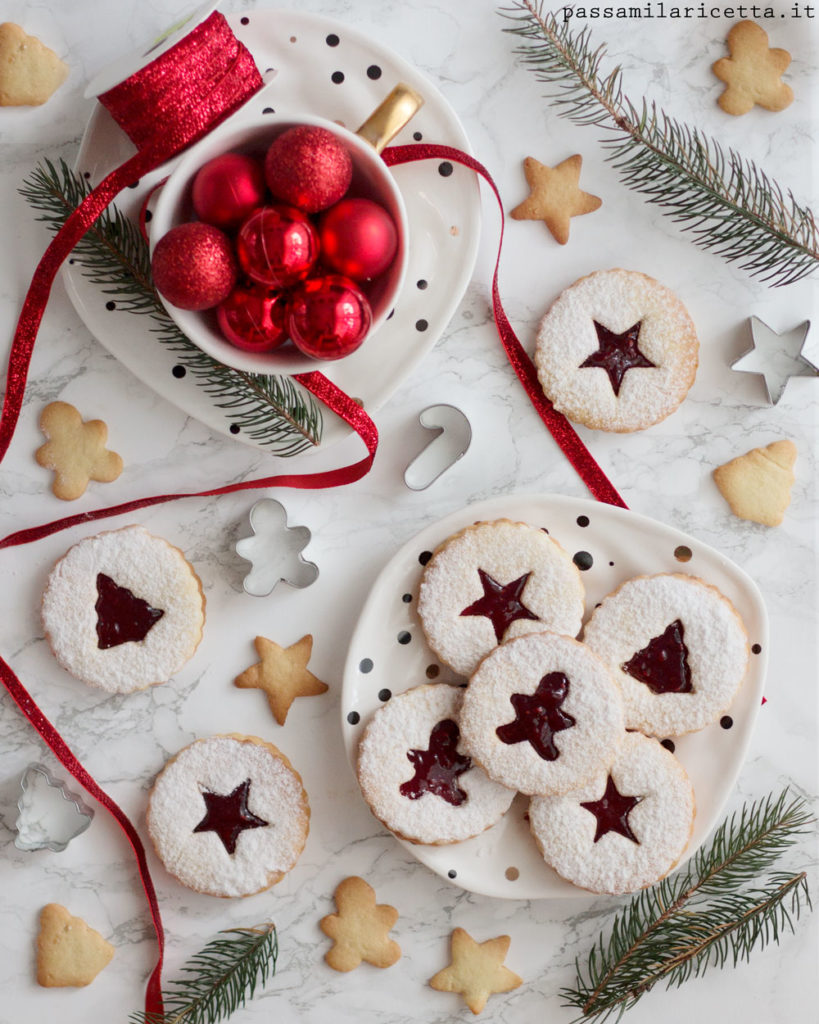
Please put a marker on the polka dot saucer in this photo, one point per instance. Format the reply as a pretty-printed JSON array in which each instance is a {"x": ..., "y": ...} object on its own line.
[{"x": 609, "y": 545}]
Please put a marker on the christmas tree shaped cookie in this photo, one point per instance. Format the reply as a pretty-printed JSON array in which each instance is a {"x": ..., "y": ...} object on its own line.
[{"x": 69, "y": 952}]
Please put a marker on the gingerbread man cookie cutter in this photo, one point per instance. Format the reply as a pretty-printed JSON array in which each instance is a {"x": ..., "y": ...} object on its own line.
[
  {"x": 275, "y": 551},
  {"x": 50, "y": 815},
  {"x": 453, "y": 435}
]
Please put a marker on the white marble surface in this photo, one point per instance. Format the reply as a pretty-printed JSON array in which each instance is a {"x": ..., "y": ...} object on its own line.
[{"x": 663, "y": 472}]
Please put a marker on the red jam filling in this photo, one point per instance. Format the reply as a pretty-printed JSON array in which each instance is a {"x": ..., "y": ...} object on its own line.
[
  {"x": 612, "y": 811},
  {"x": 121, "y": 616},
  {"x": 539, "y": 716},
  {"x": 437, "y": 768},
  {"x": 228, "y": 816},
  {"x": 663, "y": 663},
  {"x": 501, "y": 603},
  {"x": 617, "y": 353}
]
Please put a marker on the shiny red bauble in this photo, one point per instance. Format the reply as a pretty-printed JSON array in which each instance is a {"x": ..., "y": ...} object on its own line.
[
  {"x": 252, "y": 318},
  {"x": 358, "y": 239},
  {"x": 228, "y": 189},
  {"x": 193, "y": 266},
  {"x": 277, "y": 246},
  {"x": 308, "y": 167},
  {"x": 328, "y": 317}
]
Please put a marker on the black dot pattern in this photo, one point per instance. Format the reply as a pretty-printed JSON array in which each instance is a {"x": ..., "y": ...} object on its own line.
[
  {"x": 726, "y": 721},
  {"x": 421, "y": 285},
  {"x": 179, "y": 371},
  {"x": 337, "y": 77},
  {"x": 404, "y": 637},
  {"x": 384, "y": 695},
  {"x": 268, "y": 110},
  {"x": 424, "y": 557},
  {"x": 332, "y": 39},
  {"x": 234, "y": 428},
  {"x": 583, "y": 560},
  {"x": 374, "y": 72},
  {"x": 421, "y": 325},
  {"x": 452, "y": 874},
  {"x": 134, "y": 184},
  {"x": 432, "y": 672},
  {"x": 353, "y": 718},
  {"x": 445, "y": 169},
  {"x": 668, "y": 744},
  {"x": 756, "y": 649},
  {"x": 417, "y": 136},
  {"x": 582, "y": 520},
  {"x": 110, "y": 305},
  {"x": 365, "y": 665},
  {"x": 245, "y": 21},
  {"x": 407, "y": 598},
  {"x": 148, "y": 216}
]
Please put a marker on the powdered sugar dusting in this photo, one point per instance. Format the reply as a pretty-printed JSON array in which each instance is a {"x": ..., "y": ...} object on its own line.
[{"x": 199, "y": 859}]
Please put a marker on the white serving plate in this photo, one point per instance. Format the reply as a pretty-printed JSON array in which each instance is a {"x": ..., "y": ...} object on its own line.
[{"x": 388, "y": 654}]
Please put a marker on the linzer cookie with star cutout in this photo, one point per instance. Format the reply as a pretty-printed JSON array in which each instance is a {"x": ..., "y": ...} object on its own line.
[
  {"x": 624, "y": 830},
  {"x": 415, "y": 775},
  {"x": 228, "y": 815},
  {"x": 494, "y": 581},
  {"x": 616, "y": 351},
  {"x": 676, "y": 648},
  {"x": 123, "y": 610},
  {"x": 541, "y": 714}
]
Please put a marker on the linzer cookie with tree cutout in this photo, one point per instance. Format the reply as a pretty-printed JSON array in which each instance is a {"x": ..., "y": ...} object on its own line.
[
  {"x": 494, "y": 581},
  {"x": 123, "y": 610},
  {"x": 616, "y": 351},
  {"x": 676, "y": 647},
  {"x": 416, "y": 776},
  {"x": 541, "y": 714}
]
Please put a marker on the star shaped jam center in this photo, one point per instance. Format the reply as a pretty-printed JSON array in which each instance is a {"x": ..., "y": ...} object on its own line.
[
  {"x": 612, "y": 811},
  {"x": 228, "y": 815},
  {"x": 617, "y": 353},
  {"x": 121, "y": 615},
  {"x": 539, "y": 716},
  {"x": 663, "y": 663},
  {"x": 501, "y": 603},
  {"x": 437, "y": 768}
]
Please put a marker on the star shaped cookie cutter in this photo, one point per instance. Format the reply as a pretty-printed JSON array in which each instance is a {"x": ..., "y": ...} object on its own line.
[
  {"x": 777, "y": 357},
  {"x": 50, "y": 814},
  {"x": 274, "y": 551}
]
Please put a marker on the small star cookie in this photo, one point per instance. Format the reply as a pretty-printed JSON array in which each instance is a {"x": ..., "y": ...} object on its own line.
[
  {"x": 476, "y": 971},
  {"x": 757, "y": 485},
  {"x": 555, "y": 196},
  {"x": 75, "y": 450},
  {"x": 282, "y": 674},
  {"x": 360, "y": 929},
  {"x": 752, "y": 72},
  {"x": 69, "y": 952}
]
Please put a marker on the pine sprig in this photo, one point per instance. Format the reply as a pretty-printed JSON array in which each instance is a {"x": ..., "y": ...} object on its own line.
[
  {"x": 113, "y": 255},
  {"x": 713, "y": 912},
  {"x": 219, "y": 979},
  {"x": 728, "y": 204}
]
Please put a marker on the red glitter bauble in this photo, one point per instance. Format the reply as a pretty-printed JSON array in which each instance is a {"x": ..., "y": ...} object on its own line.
[
  {"x": 227, "y": 189},
  {"x": 328, "y": 317},
  {"x": 252, "y": 318},
  {"x": 193, "y": 266},
  {"x": 308, "y": 167},
  {"x": 277, "y": 246},
  {"x": 358, "y": 238}
]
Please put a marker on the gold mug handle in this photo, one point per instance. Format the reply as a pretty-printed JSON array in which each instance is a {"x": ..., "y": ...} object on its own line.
[{"x": 389, "y": 117}]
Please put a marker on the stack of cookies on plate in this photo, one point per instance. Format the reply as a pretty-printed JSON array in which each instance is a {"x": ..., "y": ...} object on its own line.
[{"x": 573, "y": 724}]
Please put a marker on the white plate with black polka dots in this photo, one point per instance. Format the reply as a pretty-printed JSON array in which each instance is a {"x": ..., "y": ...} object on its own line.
[
  {"x": 388, "y": 654},
  {"x": 333, "y": 71}
]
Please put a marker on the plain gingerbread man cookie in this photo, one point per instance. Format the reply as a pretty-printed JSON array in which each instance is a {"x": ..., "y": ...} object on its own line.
[
  {"x": 360, "y": 929},
  {"x": 75, "y": 450},
  {"x": 752, "y": 72}
]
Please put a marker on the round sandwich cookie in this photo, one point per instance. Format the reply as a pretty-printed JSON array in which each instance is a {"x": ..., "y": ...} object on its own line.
[
  {"x": 676, "y": 648},
  {"x": 616, "y": 351},
  {"x": 123, "y": 610},
  {"x": 415, "y": 776},
  {"x": 228, "y": 815},
  {"x": 494, "y": 581},
  {"x": 624, "y": 830},
  {"x": 541, "y": 714}
]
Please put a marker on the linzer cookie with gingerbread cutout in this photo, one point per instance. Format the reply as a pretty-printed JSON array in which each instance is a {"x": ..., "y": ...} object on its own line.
[
  {"x": 123, "y": 610},
  {"x": 494, "y": 581},
  {"x": 416, "y": 776},
  {"x": 676, "y": 647},
  {"x": 541, "y": 714},
  {"x": 617, "y": 351}
]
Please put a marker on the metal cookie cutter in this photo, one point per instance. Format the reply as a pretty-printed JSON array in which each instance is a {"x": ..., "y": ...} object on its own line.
[
  {"x": 274, "y": 551},
  {"x": 776, "y": 357},
  {"x": 50, "y": 814},
  {"x": 452, "y": 438}
]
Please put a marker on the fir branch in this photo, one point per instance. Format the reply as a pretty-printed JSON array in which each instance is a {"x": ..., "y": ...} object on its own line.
[
  {"x": 219, "y": 979},
  {"x": 727, "y": 203},
  {"x": 712, "y": 912},
  {"x": 113, "y": 255}
]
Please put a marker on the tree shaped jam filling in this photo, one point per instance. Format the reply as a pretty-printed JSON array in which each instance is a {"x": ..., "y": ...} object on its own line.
[
  {"x": 437, "y": 768},
  {"x": 617, "y": 353},
  {"x": 539, "y": 716},
  {"x": 501, "y": 603},
  {"x": 663, "y": 663},
  {"x": 121, "y": 616},
  {"x": 228, "y": 816},
  {"x": 612, "y": 811}
]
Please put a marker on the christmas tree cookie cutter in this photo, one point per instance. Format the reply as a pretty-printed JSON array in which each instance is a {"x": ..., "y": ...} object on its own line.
[
  {"x": 275, "y": 551},
  {"x": 453, "y": 435},
  {"x": 50, "y": 815}
]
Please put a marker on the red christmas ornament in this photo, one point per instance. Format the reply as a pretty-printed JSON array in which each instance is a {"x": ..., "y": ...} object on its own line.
[
  {"x": 358, "y": 238},
  {"x": 227, "y": 189},
  {"x": 328, "y": 317},
  {"x": 277, "y": 246},
  {"x": 193, "y": 266},
  {"x": 308, "y": 167},
  {"x": 252, "y": 318}
]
